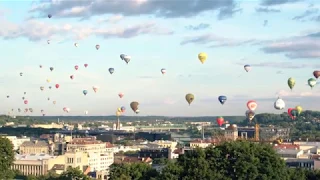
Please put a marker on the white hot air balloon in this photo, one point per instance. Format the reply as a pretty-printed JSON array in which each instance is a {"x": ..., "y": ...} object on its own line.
[
  {"x": 163, "y": 70},
  {"x": 279, "y": 104},
  {"x": 76, "y": 44},
  {"x": 67, "y": 110},
  {"x": 86, "y": 112},
  {"x": 247, "y": 67},
  {"x": 95, "y": 88}
]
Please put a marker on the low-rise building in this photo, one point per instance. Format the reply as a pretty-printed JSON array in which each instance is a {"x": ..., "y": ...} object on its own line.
[
  {"x": 17, "y": 141},
  {"x": 200, "y": 143},
  {"x": 34, "y": 147},
  {"x": 231, "y": 132},
  {"x": 289, "y": 153}
]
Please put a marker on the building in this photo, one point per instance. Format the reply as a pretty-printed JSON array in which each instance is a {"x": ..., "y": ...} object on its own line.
[
  {"x": 48, "y": 126},
  {"x": 17, "y": 141},
  {"x": 289, "y": 153},
  {"x": 231, "y": 132},
  {"x": 165, "y": 144},
  {"x": 100, "y": 157},
  {"x": 57, "y": 148},
  {"x": 40, "y": 164},
  {"x": 300, "y": 163},
  {"x": 153, "y": 136},
  {"x": 34, "y": 147},
  {"x": 200, "y": 143},
  {"x": 155, "y": 152}
]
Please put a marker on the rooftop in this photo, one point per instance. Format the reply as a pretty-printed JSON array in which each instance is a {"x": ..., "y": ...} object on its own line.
[
  {"x": 287, "y": 151},
  {"x": 34, "y": 157},
  {"x": 35, "y": 143}
]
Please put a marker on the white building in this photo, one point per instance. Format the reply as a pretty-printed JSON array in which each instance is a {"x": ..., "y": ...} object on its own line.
[
  {"x": 17, "y": 141},
  {"x": 100, "y": 157}
]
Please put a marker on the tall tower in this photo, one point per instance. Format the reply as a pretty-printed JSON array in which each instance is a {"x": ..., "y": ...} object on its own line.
[
  {"x": 118, "y": 124},
  {"x": 257, "y": 132}
]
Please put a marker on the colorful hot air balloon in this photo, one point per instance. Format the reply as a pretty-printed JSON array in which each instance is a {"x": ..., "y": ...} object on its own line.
[
  {"x": 97, "y": 46},
  {"x": 312, "y": 82},
  {"x": 111, "y": 70},
  {"x": 123, "y": 109},
  {"x": 72, "y": 77},
  {"x": 316, "y": 74},
  {"x": 25, "y": 101},
  {"x": 76, "y": 44},
  {"x": 202, "y": 57},
  {"x": 85, "y": 92},
  {"x": 85, "y": 65},
  {"x": 122, "y": 56},
  {"x": 49, "y": 15},
  {"x": 54, "y": 102},
  {"x": 291, "y": 83},
  {"x": 41, "y": 88},
  {"x": 121, "y": 95},
  {"x": 247, "y": 67},
  {"x": 279, "y": 104},
  {"x": 222, "y": 99},
  {"x": 294, "y": 113},
  {"x": 57, "y": 86},
  {"x": 299, "y": 110},
  {"x": 118, "y": 113},
  {"x": 250, "y": 114},
  {"x": 163, "y": 70},
  {"x": 137, "y": 111},
  {"x": 189, "y": 98},
  {"x": 48, "y": 80},
  {"x": 252, "y": 105},
  {"x": 48, "y": 41},
  {"x": 95, "y": 88},
  {"x": 76, "y": 67},
  {"x": 289, "y": 112},
  {"x": 134, "y": 106},
  {"x": 220, "y": 120},
  {"x": 127, "y": 58}
]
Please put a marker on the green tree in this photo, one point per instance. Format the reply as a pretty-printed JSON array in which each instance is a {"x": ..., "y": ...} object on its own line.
[
  {"x": 6, "y": 158},
  {"x": 132, "y": 171},
  {"x": 73, "y": 174}
]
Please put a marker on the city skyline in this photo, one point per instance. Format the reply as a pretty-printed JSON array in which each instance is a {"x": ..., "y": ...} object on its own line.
[{"x": 279, "y": 39}]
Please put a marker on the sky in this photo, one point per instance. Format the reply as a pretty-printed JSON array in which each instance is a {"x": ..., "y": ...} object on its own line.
[{"x": 278, "y": 38}]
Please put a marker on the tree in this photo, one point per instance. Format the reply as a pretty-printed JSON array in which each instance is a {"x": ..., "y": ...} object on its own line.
[
  {"x": 6, "y": 158},
  {"x": 132, "y": 171},
  {"x": 73, "y": 174}
]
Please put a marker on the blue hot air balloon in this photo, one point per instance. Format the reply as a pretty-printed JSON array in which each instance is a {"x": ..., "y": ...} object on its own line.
[
  {"x": 85, "y": 92},
  {"x": 111, "y": 70},
  {"x": 222, "y": 99}
]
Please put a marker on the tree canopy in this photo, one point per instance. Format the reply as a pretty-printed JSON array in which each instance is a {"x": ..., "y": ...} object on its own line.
[{"x": 6, "y": 158}]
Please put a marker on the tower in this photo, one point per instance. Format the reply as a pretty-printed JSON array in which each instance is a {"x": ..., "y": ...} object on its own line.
[
  {"x": 118, "y": 124},
  {"x": 257, "y": 134}
]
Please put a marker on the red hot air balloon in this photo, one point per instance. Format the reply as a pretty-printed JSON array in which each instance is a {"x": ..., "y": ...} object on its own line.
[
  {"x": 120, "y": 95},
  {"x": 316, "y": 74},
  {"x": 289, "y": 112},
  {"x": 85, "y": 65},
  {"x": 76, "y": 67},
  {"x": 220, "y": 120},
  {"x": 26, "y": 101},
  {"x": 57, "y": 86},
  {"x": 72, "y": 77},
  {"x": 252, "y": 105}
]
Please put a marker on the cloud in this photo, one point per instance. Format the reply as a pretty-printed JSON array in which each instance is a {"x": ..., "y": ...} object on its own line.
[
  {"x": 282, "y": 65},
  {"x": 113, "y": 19},
  {"x": 165, "y": 9},
  {"x": 307, "y": 13},
  {"x": 200, "y": 26},
  {"x": 35, "y": 30},
  {"x": 169, "y": 101},
  {"x": 277, "y": 2},
  {"x": 296, "y": 47},
  {"x": 216, "y": 41},
  {"x": 284, "y": 93},
  {"x": 267, "y": 10}
]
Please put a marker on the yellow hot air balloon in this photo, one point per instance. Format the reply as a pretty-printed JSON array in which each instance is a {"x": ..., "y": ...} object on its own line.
[
  {"x": 202, "y": 57},
  {"x": 118, "y": 113},
  {"x": 48, "y": 80},
  {"x": 119, "y": 110},
  {"x": 189, "y": 98},
  {"x": 299, "y": 109}
]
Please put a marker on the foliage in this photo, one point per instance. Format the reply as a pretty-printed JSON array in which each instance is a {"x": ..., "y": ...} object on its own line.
[
  {"x": 6, "y": 158},
  {"x": 134, "y": 171}
]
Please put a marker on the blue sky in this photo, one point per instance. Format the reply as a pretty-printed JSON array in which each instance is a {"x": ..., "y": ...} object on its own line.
[{"x": 279, "y": 39}]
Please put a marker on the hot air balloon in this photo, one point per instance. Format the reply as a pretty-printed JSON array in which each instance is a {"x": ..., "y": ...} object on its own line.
[
  {"x": 57, "y": 86},
  {"x": 85, "y": 65},
  {"x": 25, "y": 101},
  {"x": 247, "y": 67},
  {"x": 134, "y": 106},
  {"x": 252, "y": 105},
  {"x": 189, "y": 98},
  {"x": 26, "y": 110},
  {"x": 291, "y": 83},
  {"x": 289, "y": 112},
  {"x": 31, "y": 110},
  {"x": 8, "y": 96},
  {"x": 312, "y": 82},
  {"x": 127, "y": 58},
  {"x": 123, "y": 109},
  {"x": 24, "y": 93},
  {"x": 76, "y": 44},
  {"x": 118, "y": 113},
  {"x": 294, "y": 113},
  {"x": 48, "y": 80},
  {"x": 97, "y": 46},
  {"x": 120, "y": 95},
  {"x": 50, "y": 87},
  {"x": 86, "y": 112},
  {"x": 49, "y": 15},
  {"x": 299, "y": 109},
  {"x": 202, "y": 57},
  {"x": 122, "y": 56},
  {"x": 42, "y": 110},
  {"x": 250, "y": 114},
  {"x": 95, "y": 88},
  {"x": 48, "y": 41},
  {"x": 222, "y": 99},
  {"x": 163, "y": 70},
  {"x": 72, "y": 77},
  {"x": 316, "y": 74},
  {"x": 54, "y": 102},
  {"x": 85, "y": 92},
  {"x": 48, "y": 99},
  {"x": 76, "y": 67},
  {"x": 41, "y": 88},
  {"x": 279, "y": 104},
  {"x": 111, "y": 70},
  {"x": 51, "y": 68},
  {"x": 220, "y": 120},
  {"x": 19, "y": 110},
  {"x": 65, "y": 109},
  {"x": 21, "y": 74},
  {"x": 23, "y": 98},
  {"x": 137, "y": 111},
  {"x": 40, "y": 66}
]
